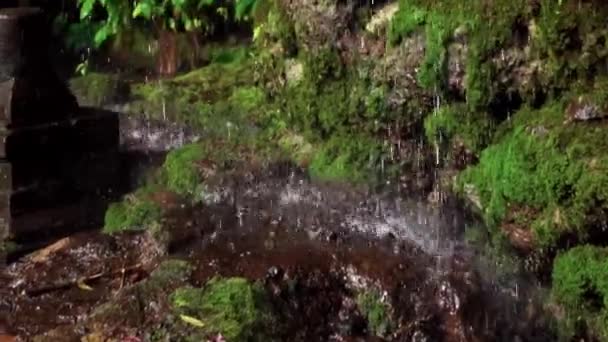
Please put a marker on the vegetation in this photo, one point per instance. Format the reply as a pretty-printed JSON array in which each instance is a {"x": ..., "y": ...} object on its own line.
[
  {"x": 110, "y": 18},
  {"x": 580, "y": 284},
  {"x": 233, "y": 307},
  {"x": 377, "y": 313},
  {"x": 558, "y": 170}
]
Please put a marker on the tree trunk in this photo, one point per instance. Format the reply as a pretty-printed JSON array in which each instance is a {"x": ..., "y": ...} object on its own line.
[{"x": 167, "y": 54}]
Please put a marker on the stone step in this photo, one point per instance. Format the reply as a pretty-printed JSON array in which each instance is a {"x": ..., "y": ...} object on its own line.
[
  {"x": 92, "y": 133},
  {"x": 36, "y": 225},
  {"x": 82, "y": 172},
  {"x": 99, "y": 181}
]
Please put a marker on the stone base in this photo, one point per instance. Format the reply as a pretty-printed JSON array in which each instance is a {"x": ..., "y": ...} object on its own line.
[
  {"x": 57, "y": 169},
  {"x": 91, "y": 133}
]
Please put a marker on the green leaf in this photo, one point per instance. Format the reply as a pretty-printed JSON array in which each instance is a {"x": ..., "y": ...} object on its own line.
[
  {"x": 102, "y": 35},
  {"x": 244, "y": 8},
  {"x": 86, "y": 7},
  {"x": 143, "y": 9}
]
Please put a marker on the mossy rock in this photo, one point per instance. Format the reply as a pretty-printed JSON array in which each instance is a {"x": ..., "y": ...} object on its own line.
[
  {"x": 455, "y": 122},
  {"x": 134, "y": 214},
  {"x": 180, "y": 170},
  {"x": 580, "y": 284},
  {"x": 352, "y": 158},
  {"x": 233, "y": 307},
  {"x": 556, "y": 171},
  {"x": 99, "y": 89}
]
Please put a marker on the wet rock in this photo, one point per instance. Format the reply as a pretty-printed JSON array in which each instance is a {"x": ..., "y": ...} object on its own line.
[
  {"x": 584, "y": 109},
  {"x": 449, "y": 299},
  {"x": 457, "y": 56},
  {"x": 318, "y": 24},
  {"x": 294, "y": 71},
  {"x": 141, "y": 134},
  {"x": 275, "y": 272}
]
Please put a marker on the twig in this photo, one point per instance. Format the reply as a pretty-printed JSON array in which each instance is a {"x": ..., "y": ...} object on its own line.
[
  {"x": 72, "y": 282},
  {"x": 122, "y": 276}
]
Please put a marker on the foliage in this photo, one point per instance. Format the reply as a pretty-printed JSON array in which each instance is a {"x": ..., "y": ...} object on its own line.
[
  {"x": 540, "y": 163},
  {"x": 231, "y": 306},
  {"x": 377, "y": 313},
  {"x": 174, "y": 15},
  {"x": 580, "y": 284},
  {"x": 78, "y": 35}
]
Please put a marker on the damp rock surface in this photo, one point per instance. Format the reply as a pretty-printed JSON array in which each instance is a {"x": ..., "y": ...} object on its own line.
[{"x": 314, "y": 249}]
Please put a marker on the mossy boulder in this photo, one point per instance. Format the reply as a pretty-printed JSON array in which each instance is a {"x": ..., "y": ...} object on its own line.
[
  {"x": 132, "y": 213},
  {"x": 180, "y": 170},
  {"x": 551, "y": 175},
  {"x": 233, "y": 307}
]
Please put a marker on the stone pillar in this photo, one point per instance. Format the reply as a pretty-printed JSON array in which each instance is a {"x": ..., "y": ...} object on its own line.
[{"x": 57, "y": 160}]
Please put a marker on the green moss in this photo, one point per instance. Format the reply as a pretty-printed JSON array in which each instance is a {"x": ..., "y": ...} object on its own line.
[
  {"x": 487, "y": 26},
  {"x": 97, "y": 89},
  {"x": 233, "y": 307},
  {"x": 207, "y": 99},
  {"x": 457, "y": 122},
  {"x": 353, "y": 158},
  {"x": 248, "y": 99},
  {"x": 377, "y": 312},
  {"x": 580, "y": 284},
  {"x": 134, "y": 212},
  {"x": 569, "y": 35},
  {"x": 538, "y": 162},
  {"x": 406, "y": 21},
  {"x": 227, "y": 55},
  {"x": 180, "y": 169}
]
